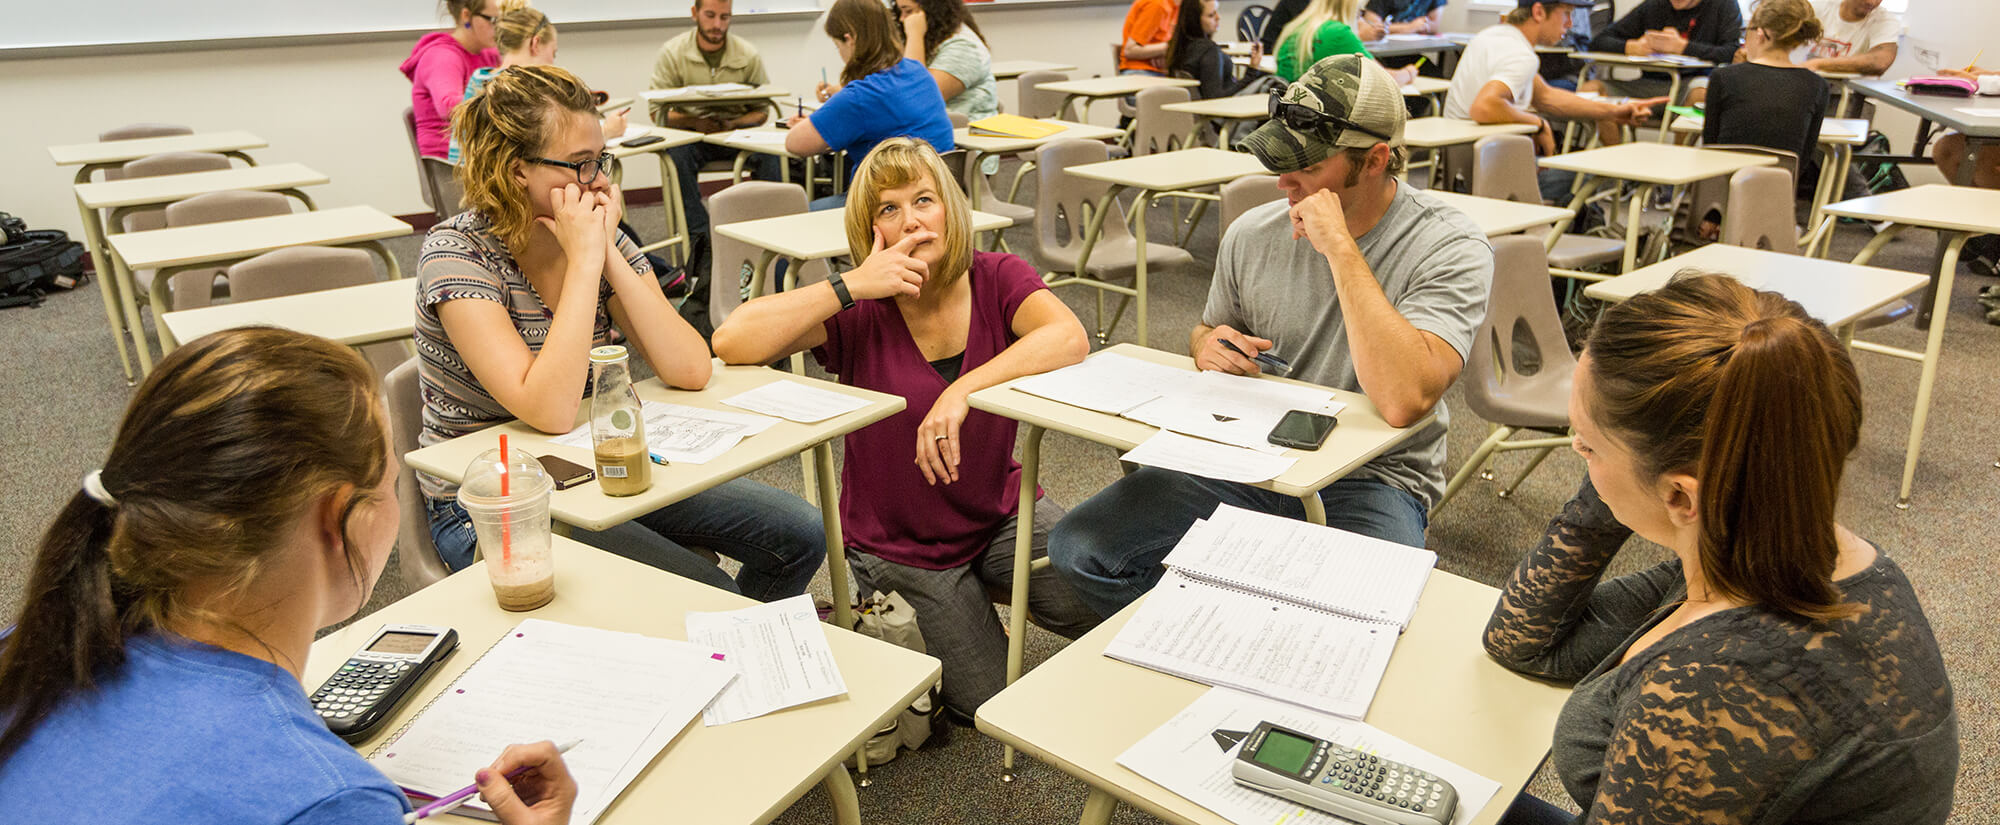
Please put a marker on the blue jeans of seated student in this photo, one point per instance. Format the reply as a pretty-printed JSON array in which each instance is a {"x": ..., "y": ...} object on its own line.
[
  {"x": 688, "y": 161},
  {"x": 1109, "y": 547},
  {"x": 1529, "y": 809},
  {"x": 776, "y": 535}
]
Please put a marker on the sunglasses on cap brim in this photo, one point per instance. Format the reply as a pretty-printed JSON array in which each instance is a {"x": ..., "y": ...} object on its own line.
[{"x": 1307, "y": 119}]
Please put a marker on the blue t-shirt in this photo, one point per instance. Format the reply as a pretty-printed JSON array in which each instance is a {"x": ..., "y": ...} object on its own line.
[
  {"x": 472, "y": 87},
  {"x": 186, "y": 732},
  {"x": 902, "y": 100}
]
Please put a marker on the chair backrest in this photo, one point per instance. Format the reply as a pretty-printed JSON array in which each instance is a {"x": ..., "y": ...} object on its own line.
[
  {"x": 195, "y": 288},
  {"x": 1239, "y": 195},
  {"x": 1156, "y": 129},
  {"x": 1759, "y": 212},
  {"x": 417, "y": 555},
  {"x": 170, "y": 163},
  {"x": 441, "y": 182},
  {"x": 730, "y": 260},
  {"x": 297, "y": 269},
  {"x": 1712, "y": 195},
  {"x": 134, "y": 131},
  {"x": 1250, "y": 23},
  {"x": 1036, "y": 103},
  {"x": 1064, "y": 202},
  {"x": 959, "y": 120},
  {"x": 410, "y": 131},
  {"x": 1503, "y": 167},
  {"x": 1496, "y": 388}
]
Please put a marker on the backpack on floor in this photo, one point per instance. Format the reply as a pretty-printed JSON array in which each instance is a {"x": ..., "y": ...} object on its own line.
[
  {"x": 891, "y": 619},
  {"x": 34, "y": 263},
  {"x": 1875, "y": 177}
]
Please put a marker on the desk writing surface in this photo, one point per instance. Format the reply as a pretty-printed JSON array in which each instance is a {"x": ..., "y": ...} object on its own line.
[
  {"x": 586, "y": 505},
  {"x": 229, "y": 240},
  {"x": 1361, "y": 436},
  {"x": 1079, "y": 710},
  {"x": 1072, "y": 130},
  {"x": 355, "y": 315},
  {"x": 170, "y": 188},
  {"x": 1169, "y": 171},
  {"x": 1936, "y": 108},
  {"x": 681, "y": 95},
  {"x": 1432, "y": 132},
  {"x": 1237, "y": 107},
  {"x": 671, "y": 138},
  {"x": 731, "y": 140},
  {"x": 1400, "y": 46},
  {"x": 1649, "y": 63},
  {"x": 791, "y": 749},
  {"x": 1835, "y": 292},
  {"x": 1423, "y": 85},
  {"x": 1005, "y": 69},
  {"x": 119, "y": 151},
  {"x": 1114, "y": 85},
  {"x": 1500, "y": 217},
  {"x": 1656, "y": 163},
  {"x": 810, "y": 236},
  {"x": 1933, "y": 205},
  {"x": 1833, "y": 131}
]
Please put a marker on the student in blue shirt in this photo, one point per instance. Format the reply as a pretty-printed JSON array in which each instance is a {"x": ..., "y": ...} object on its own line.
[
  {"x": 153, "y": 674},
  {"x": 882, "y": 94}
]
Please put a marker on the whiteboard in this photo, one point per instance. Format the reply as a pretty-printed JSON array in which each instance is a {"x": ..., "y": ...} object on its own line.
[{"x": 75, "y": 23}]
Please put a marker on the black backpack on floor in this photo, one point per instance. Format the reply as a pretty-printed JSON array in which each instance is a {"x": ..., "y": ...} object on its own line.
[{"x": 34, "y": 263}]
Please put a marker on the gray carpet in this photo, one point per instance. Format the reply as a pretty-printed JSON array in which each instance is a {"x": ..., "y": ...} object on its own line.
[{"x": 65, "y": 395}]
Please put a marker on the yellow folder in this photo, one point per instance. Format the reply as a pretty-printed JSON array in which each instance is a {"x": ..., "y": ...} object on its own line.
[{"x": 1014, "y": 126}]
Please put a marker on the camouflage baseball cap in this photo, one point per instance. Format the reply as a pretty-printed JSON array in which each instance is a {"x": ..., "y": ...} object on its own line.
[{"x": 1361, "y": 104}]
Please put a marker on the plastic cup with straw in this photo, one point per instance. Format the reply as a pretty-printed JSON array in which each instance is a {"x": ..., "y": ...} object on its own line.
[
  {"x": 508, "y": 503},
  {"x": 506, "y": 491}
]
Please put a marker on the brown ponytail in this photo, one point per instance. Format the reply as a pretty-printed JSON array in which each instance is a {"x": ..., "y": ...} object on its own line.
[
  {"x": 222, "y": 449},
  {"x": 1759, "y": 402},
  {"x": 1790, "y": 23}
]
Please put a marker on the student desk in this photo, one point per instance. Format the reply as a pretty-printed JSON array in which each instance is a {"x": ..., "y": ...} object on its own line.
[
  {"x": 215, "y": 245},
  {"x": 1010, "y": 69},
  {"x": 670, "y": 180},
  {"x": 1837, "y": 138},
  {"x": 1497, "y": 217},
  {"x": 354, "y": 315},
  {"x": 1649, "y": 166},
  {"x": 588, "y": 507},
  {"x": 1079, "y": 710},
  {"x": 1153, "y": 175},
  {"x": 1360, "y": 438},
  {"x": 766, "y": 140},
  {"x": 1436, "y": 133},
  {"x": 1957, "y": 213},
  {"x": 1838, "y": 294},
  {"x": 977, "y": 145},
  {"x": 690, "y": 95},
  {"x": 702, "y": 776},
  {"x": 1404, "y": 45},
  {"x": 1944, "y": 111},
  {"x": 121, "y": 197},
  {"x": 1673, "y": 68},
  {"x": 1224, "y": 111},
  {"x": 1098, "y": 88}
]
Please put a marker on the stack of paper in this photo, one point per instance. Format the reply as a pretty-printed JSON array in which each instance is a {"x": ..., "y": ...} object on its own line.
[
  {"x": 705, "y": 90},
  {"x": 679, "y": 433},
  {"x": 779, "y": 649}
]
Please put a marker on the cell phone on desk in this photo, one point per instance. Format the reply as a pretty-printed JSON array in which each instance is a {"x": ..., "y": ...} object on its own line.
[
  {"x": 1302, "y": 429},
  {"x": 564, "y": 472},
  {"x": 643, "y": 140},
  {"x": 377, "y": 678}
]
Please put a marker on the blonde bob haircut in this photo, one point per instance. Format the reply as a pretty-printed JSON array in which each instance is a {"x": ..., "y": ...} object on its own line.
[
  {"x": 508, "y": 122},
  {"x": 901, "y": 161}
]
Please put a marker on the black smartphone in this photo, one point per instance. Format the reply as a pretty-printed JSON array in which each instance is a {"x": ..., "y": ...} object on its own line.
[
  {"x": 1303, "y": 430},
  {"x": 564, "y": 472},
  {"x": 644, "y": 140}
]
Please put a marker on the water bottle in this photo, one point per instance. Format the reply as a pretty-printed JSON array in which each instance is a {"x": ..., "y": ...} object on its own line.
[{"x": 617, "y": 430}]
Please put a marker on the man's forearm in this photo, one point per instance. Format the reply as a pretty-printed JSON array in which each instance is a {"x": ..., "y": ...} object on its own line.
[{"x": 1393, "y": 361}]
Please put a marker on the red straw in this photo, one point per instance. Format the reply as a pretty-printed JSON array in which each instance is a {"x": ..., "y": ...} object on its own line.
[{"x": 506, "y": 528}]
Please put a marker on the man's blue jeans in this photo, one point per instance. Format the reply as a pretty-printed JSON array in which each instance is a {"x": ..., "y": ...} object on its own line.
[{"x": 1109, "y": 547}]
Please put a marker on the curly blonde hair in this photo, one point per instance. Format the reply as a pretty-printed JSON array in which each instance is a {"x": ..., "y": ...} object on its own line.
[
  {"x": 504, "y": 125},
  {"x": 519, "y": 25}
]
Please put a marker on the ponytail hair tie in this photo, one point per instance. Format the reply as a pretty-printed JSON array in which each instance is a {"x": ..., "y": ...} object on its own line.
[{"x": 93, "y": 486}]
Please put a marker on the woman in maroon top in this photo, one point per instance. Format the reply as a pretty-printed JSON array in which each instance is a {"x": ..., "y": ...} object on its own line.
[{"x": 928, "y": 495}]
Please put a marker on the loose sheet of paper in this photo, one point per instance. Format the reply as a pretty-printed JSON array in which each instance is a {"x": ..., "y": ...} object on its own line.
[
  {"x": 780, "y": 653},
  {"x": 1182, "y": 756},
  {"x": 704, "y": 90},
  {"x": 1172, "y": 451},
  {"x": 689, "y": 435},
  {"x": 1233, "y": 409},
  {"x": 1107, "y": 383},
  {"x": 1325, "y": 567},
  {"x": 792, "y": 400}
]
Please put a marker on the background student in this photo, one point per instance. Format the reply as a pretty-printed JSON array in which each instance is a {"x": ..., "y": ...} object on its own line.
[
  {"x": 1407, "y": 16},
  {"x": 441, "y": 63},
  {"x": 1324, "y": 30},
  {"x": 882, "y": 94},
  {"x": 515, "y": 291},
  {"x": 707, "y": 54},
  {"x": 1770, "y": 101},
  {"x": 1779, "y": 668},
  {"x": 1143, "y": 39},
  {"x": 942, "y": 35},
  {"x": 1192, "y": 53},
  {"x": 153, "y": 674},
  {"x": 928, "y": 496},
  {"x": 526, "y": 37},
  {"x": 1708, "y": 30},
  {"x": 1498, "y": 80},
  {"x": 1855, "y": 36}
]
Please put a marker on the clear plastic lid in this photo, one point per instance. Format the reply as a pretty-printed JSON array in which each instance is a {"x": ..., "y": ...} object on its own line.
[
  {"x": 481, "y": 487},
  {"x": 608, "y": 354}
]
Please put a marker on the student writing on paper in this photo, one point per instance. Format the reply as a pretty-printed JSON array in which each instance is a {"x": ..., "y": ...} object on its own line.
[
  {"x": 513, "y": 293},
  {"x": 153, "y": 674},
  {"x": 1779, "y": 669},
  {"x": 1362, "y": 282},
  {"x": 1855, "y": 36},
  {"x": 928, "y": 495},
  {"x": 705, "y": 55},
  {"x": 1192, "y": 53},
  {"x": 441, "y": 63},
  {"x": 882, "y": 93},
  {"x": 1703, "y": 29},
  {"x": 942, "y": 35},
  {"x": 526, "y": 38}
]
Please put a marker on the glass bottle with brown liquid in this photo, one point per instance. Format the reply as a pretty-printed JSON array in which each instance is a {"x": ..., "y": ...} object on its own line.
[{"x": 617, "y": 430}]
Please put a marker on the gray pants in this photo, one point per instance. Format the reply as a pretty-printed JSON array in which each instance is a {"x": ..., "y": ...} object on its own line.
[{"x": 955, "y": 607}]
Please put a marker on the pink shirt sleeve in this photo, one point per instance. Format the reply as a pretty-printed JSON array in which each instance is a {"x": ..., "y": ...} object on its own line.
[{"x": 444, "y": 79}]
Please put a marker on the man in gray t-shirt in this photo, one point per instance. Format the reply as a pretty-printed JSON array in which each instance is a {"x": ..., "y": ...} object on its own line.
[{"x": 1361, "y": 282}]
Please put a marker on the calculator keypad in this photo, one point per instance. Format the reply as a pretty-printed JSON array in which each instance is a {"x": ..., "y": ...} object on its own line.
[
  {"x": 356, "y": 688},
  {"x": 1371, "y": 777}
]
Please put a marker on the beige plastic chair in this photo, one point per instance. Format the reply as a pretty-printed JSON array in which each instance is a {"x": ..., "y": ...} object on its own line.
[
  {"x": 435, "y": 179},
  {"x": 170, "y": 163},
  {"x": 731, "y": 262},
  {"x": 299, "y": 269},
  {"x": 1713, "y": 194},
  {"x": 1243, "y": 194},
  {"x": 1035, "y": 103},
  {"x": 416, "y": 555},
  {"x": 135, "y": 131},
  {"x": 197, "y": 288},
  {"x": 1759, "y": 216},
  {"x": 1064, "y": 206},
  {"x": 1155, "y": 129},
  {"x": 1503, "y": 167},
  {"x": 1496, "y": 389}
]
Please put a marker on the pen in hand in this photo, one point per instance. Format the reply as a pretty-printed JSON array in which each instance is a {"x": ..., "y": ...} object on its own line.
[{"x": 450, "y": 802}]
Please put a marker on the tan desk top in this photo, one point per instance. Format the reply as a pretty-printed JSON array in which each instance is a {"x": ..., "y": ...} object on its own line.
[
  {"x": 734, "y": 139},
  {"x": 1006, "y": 69},
  {"x": 1115, "y": 85},
  {"x": 1238, "y": 107},
  {"x": 685, "y": 95},
  {"x": 1835, "y": 292},
  {"x": 1079, "y": 710},
  {"x": 1833, "y": 131},
  {"x": 1656, "y": 163},
  {"x": 1169, "y": 171},
  {"x": 808, "y": 236},
  {"x": 1432, "y": 132},
  {"x": 1361, "y": 436},
  {"x": 1648, "y": 62},
  {"x": 587, "y": 506},
  {"x": 119, "y": 151},
  {"x": 354, "y": 315},
  {"x": 791, "y": 749},
  {"x": 1500, "y": 217},
  {"x": 231, "y": 240},
  {"x": 672, "y": 139},
  {"x": 1933, "y": 205},
  {"x": 170, "y": 188},
  {"x": 1426, "y": 86},
  {"x": 998, "y": 143}
]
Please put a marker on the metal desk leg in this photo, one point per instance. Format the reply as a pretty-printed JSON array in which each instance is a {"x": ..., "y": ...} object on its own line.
[
  {"x": 1315, "y": 509},
  {"x": 1098, "y": 808},
  {"x": 107, "y": 286},
  {"x": 1024, "y": 556},
  {"x": 1586, "y": 185},
  {"x": 836, "y": 547},
  {"x": 1673, "y": 99},
  {"x": 1144, "y": 202},
  {"x": 128, "y": 294},
  {"x": 840, "y": 794},
  {"x": 1635, "y": 211},
  {"x": 1933, "y": 348},
  {"x": 817, "y": 482}
]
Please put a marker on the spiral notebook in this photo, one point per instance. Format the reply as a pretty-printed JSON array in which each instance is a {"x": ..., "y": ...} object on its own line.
[{"x": 1279, "y": 607}]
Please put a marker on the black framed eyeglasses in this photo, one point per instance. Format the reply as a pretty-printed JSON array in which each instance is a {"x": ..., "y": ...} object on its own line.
[
  {"x": 586, "y": 171},
  {"x": 1307, "y": 119},
  {"x": 490, "y": 19}
]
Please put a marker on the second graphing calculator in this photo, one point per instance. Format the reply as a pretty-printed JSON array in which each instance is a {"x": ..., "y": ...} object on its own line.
[{"x": 376, "y": 679}]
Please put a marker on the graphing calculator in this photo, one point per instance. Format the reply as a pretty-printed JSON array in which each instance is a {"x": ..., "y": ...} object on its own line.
[
  {"x": 1340, "y": 780},
  {"x": 376, "y": 679}
]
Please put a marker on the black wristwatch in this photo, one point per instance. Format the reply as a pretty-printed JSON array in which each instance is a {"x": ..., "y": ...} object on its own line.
[{"x": 840, "y": 291}]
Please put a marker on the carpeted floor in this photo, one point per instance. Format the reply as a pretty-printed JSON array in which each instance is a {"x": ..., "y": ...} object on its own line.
[{"x": 65, "y": 394}]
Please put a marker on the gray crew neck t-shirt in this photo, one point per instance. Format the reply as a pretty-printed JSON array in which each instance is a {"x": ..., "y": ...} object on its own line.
[{"x": 1434, "y": 265}]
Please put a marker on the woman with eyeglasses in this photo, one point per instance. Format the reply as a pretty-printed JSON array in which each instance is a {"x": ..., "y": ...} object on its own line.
[
  {"x": 441, "y": 63},
  {"x": 516, "y": 290},
  {"x": 527, "y": 38}
]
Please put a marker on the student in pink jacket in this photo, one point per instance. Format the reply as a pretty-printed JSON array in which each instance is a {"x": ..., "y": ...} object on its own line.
[{"x": 440, "y": 65}]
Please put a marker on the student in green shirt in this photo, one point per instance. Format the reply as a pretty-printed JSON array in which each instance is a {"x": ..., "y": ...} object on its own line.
[{"x": 1325, "y": 29}]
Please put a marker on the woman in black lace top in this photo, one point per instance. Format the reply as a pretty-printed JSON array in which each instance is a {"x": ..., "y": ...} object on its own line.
[{"x": 1780, "y": 668}]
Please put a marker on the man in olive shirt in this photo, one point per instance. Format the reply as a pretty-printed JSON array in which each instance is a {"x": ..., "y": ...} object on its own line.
[{"x": 708, "y": 54}]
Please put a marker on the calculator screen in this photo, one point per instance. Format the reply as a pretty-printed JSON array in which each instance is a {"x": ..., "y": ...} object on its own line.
[
  {"x": 408, "y": 643},
  {"x": 1284, "y": 752}
]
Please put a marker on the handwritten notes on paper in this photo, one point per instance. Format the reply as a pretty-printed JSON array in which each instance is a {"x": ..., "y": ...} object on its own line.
[
  {"x": 780, "y": 652},
  {"x": 679, "y": 433},
  {"x": 1231, "y": 409}
]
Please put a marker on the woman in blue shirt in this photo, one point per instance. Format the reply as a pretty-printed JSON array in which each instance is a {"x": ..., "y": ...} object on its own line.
[
  {"x": 153, "y": 674},
  {"x": 882, "y": 94}
]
